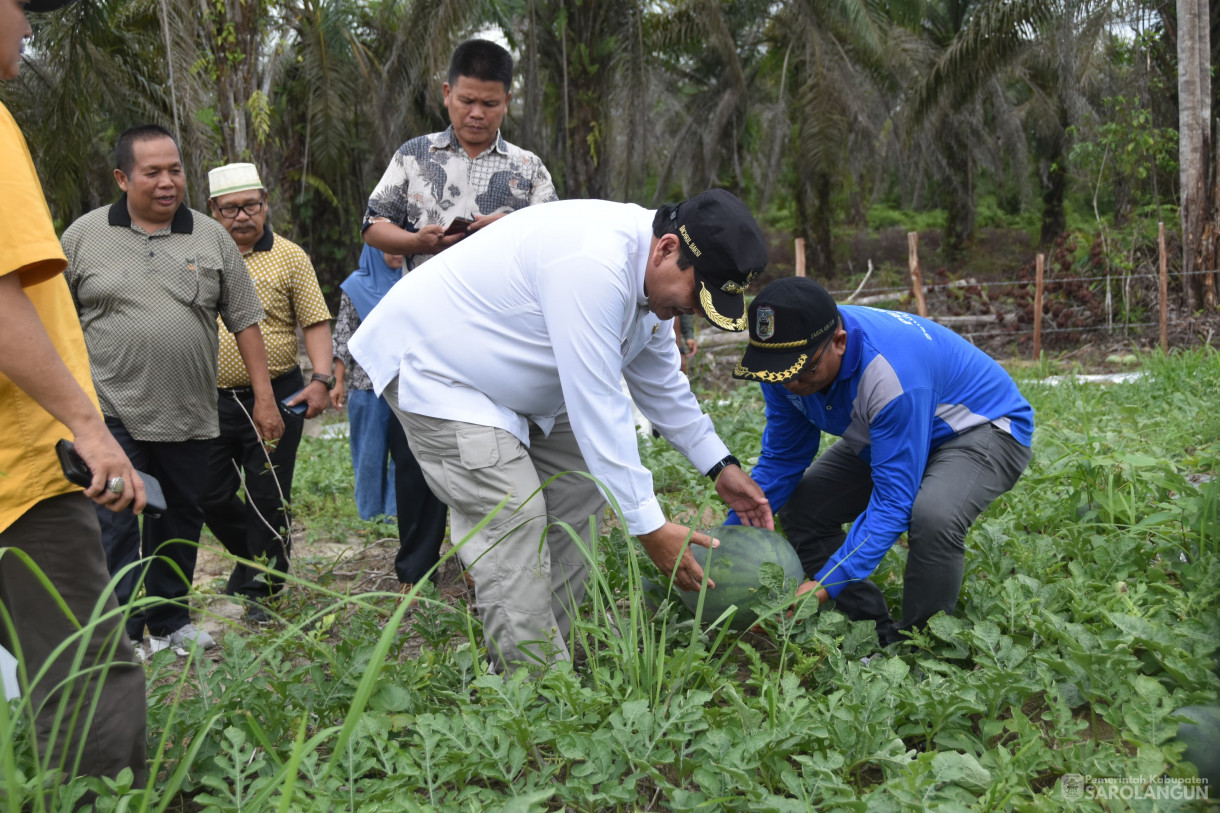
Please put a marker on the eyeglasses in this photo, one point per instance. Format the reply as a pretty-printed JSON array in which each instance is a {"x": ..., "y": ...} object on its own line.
[
  {"x": 251, "y": 209},
  {"x": 810, "y": 372}
]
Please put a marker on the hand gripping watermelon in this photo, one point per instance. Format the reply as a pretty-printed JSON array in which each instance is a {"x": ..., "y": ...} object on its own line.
[{"x": 734, "y": 567}]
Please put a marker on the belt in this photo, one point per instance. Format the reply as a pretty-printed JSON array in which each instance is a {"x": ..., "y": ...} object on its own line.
[{"x": 241, "y": 391}]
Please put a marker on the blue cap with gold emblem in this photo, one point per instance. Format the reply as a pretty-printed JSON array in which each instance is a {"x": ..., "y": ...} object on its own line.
[
  {"x": 789, "y": 320},
  {"x": 722, "y": 240}
]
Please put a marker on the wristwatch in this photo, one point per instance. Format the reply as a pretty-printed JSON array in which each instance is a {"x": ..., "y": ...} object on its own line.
[
  {"x": 725, "y": 462},
  {"x": 328, "y": 380}
]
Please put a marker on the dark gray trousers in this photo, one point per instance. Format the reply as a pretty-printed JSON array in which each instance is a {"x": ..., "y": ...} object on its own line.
[
  {"x": 963, "y": 476},
  {"x": 61, "y": 536}
]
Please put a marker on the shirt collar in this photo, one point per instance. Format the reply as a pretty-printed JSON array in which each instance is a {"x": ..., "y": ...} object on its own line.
[
  {"x": 183, "y": 222},
  {"x": 448, "y": 140},
  {"x": 265, "y": 242},
  {"x": 852, "y": 353},
  {"x": 643, "y": 246}
]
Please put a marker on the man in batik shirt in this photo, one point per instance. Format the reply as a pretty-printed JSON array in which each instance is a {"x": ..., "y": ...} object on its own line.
[{"x": 468, "y": 172}]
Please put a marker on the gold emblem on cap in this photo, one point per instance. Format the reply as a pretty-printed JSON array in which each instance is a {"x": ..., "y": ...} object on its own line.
[
  {"x": 769, "y": 376},
  {"x": 709, "y": 308},
  {"x": 731, "y": 287}
]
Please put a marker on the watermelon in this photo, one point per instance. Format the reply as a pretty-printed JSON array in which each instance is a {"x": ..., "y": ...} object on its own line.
[
  {"x": 1202, "y": 741},
  {"x": 734, "y": 567}
]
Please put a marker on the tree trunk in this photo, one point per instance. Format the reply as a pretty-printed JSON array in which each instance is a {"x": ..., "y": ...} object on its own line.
[
  {"x": 959, "y": 198},
  {"x": 1195, "y": 149},
  {"x": 1054, "y": 189},
  {"x": 814, "y": 212},
  {"x": 1054, "y": 218}
]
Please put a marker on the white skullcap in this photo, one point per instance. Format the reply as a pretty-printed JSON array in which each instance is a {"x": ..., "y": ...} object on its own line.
[{"x": 233, "y": 178}]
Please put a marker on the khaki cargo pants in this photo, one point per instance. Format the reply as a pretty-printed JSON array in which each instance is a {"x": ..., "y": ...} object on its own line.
[{"x": 529, "y": 572}]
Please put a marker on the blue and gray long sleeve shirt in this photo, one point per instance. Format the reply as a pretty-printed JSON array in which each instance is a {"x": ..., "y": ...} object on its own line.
[{"x": 906, "y": 385}]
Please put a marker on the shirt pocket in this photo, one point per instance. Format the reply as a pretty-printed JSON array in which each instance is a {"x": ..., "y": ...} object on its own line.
[{"x": 195, "y": 283}]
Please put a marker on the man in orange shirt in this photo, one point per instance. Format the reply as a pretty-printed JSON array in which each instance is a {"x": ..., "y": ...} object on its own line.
[{"x": 46, "y": 393}]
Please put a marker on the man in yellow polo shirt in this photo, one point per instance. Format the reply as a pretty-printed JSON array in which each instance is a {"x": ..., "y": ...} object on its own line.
[
  {"x": 46, "y": 393},
  {"x": 259, "y": 527}
]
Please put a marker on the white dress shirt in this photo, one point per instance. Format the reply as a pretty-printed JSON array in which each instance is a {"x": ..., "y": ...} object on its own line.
[{"x": 540, "y": 311}]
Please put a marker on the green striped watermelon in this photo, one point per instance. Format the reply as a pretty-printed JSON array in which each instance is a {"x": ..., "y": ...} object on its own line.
[
  {"x": 1202, "y": 740},
  {"x": 734, "y": 567}
]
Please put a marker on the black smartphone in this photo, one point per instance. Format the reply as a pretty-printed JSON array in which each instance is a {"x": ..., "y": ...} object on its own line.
[
  {"x": 296, "y": 409},
  {"x": 458, "y": 226},
  {"x": 77, "y": 471}
]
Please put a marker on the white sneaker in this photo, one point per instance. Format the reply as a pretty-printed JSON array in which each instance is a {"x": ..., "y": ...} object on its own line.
[
  {"x": 181, "y": 638},
  {"x": 138, "y": 646},
  {"x": 191, "y": 635},
  {"x": 156, "y": 643}
]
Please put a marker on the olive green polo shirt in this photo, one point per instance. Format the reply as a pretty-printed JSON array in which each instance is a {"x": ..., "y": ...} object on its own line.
[{"x": 148, "y": 305}]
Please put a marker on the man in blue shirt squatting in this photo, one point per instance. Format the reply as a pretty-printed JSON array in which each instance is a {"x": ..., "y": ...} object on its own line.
[{"x": 933, "y": 430}]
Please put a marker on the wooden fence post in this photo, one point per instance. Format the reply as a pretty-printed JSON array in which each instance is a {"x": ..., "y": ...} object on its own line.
[
  {"x": 1164, "y": 309},
  {"x": 1039, "y": 266},
  {"x": 800, "y": 256},
  {"x": 921, "y": 304}
]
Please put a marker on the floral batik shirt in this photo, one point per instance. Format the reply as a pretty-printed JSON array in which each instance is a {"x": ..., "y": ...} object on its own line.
[{"x": 432, "y": 180}]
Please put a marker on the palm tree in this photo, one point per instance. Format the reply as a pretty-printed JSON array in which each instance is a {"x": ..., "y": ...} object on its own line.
[
  {"x": 838, "y": 57},
  {"x": 1059, "y": 77},
  {"x": 716, "y": 90},
  {"x": 93, "y": 70},
  {"x": 578, "y": 57},
  {"x": 957, "y": 100}
]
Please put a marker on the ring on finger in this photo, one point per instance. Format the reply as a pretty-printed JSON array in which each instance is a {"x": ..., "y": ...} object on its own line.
[{"x": 115, "y": 486}]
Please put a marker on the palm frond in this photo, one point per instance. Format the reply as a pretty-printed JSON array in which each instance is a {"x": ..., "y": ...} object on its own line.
[{"x": 992, "y": 36}]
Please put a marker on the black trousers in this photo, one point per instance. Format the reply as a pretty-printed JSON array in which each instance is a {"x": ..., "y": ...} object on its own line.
[
  {"x": 421, "y": 514},
  {"x": 258, "y": 526},
  {"x": 180, "y": 467}
]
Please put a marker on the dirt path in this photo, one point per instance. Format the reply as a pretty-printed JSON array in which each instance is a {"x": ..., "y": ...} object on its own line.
[{"x": 351, "y": 566}]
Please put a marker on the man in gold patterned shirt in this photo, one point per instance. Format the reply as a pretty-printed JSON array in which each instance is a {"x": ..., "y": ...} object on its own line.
[{"x": 287, "y": 285}]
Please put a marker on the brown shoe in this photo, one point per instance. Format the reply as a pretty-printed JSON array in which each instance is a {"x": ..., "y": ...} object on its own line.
[{"x": 403, "y": 589}]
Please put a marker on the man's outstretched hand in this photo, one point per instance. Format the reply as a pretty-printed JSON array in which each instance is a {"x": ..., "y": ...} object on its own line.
[{"x": 744, "y": 496}]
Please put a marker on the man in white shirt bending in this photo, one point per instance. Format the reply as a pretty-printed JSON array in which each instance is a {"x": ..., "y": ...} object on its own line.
[{"x": 502, "y": 359}]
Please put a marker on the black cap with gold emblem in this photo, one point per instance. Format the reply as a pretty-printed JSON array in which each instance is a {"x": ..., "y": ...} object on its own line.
[
  {"x": 789, "y": 320},
  {"x": 727, "y": 248}
]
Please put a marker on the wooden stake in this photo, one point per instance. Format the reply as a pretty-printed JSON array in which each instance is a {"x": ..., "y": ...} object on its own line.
[
  {"x": 921, "y": 304},
  {"x": 1164, "y": 309},
  {"x": 800, "y": 256},
  {"x": 1039, "y": 266}
]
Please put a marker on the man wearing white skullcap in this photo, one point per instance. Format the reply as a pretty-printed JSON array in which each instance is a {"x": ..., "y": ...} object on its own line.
[{"x": 287, "y": 285}]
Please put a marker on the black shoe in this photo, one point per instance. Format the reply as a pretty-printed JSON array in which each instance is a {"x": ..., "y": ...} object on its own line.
[{"x": 257, "y": 613}]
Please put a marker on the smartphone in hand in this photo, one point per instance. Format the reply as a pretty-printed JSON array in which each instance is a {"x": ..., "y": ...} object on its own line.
[
  {"x": 458, "y": 226},
  {"x": 296, "y": 409},
  {"x": 77, "y": 471}
]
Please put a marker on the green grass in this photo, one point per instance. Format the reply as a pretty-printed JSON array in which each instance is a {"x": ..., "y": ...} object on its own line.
[{"x": 1088, "y": 615}]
